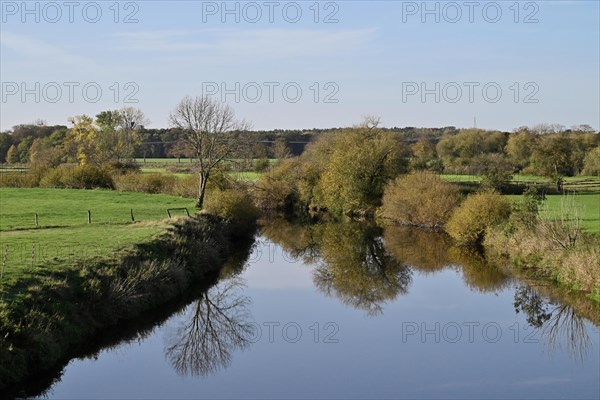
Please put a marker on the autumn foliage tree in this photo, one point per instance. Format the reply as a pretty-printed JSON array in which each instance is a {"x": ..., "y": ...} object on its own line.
[{"x": 421, "y": 199}]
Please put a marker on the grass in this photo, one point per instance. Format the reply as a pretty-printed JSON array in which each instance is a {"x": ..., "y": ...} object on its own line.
[
  {"x": 574, "y": 183},
  {"x": 163, "y": 161},
  {"x": 45, "y": 248},
  {"x": 588, "y": 204},
  {"x": 247, "y": 176},
  {"x": 64, "y": 234},
  {"x": 68, "y": 207},
  {"x": 586, "y": 189},
  {"x": 185, "y": 160},
  {"x": 460, "y": 178}
]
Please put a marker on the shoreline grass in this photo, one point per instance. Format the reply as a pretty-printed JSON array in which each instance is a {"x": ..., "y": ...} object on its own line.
[{"x": 48, "y": 312}]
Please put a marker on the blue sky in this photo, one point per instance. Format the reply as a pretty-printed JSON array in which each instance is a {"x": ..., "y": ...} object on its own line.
[{"x": 535, "y": 62}]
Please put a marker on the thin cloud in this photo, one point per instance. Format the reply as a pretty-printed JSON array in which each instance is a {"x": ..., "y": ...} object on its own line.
[
  {"x": 157, "y": 41},
  {"x": 257, "y": 43},
  {"x": 35, "y": 48}
]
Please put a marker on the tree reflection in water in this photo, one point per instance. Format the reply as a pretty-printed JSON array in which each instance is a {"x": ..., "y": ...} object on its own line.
[
  {"x": 430, "y": 252},
  {"x": 364, "y": 269},
  {"x": 357, "y": 269},
  {"x": 558, "y": 324},
  {"x": 219, "y": 325}
]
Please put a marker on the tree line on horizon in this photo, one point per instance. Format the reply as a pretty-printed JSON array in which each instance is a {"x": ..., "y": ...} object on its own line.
[{"x": 550, "y": 150}]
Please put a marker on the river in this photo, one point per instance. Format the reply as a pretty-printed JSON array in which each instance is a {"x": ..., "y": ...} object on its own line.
[{"x": 354, "y": 311}]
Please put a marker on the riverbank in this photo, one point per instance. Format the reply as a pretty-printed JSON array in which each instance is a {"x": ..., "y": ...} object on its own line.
[{"x": 45, "y": 316}]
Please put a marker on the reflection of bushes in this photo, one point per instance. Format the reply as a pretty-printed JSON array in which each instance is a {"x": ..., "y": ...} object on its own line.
[
  {"x": 477, "y": 272},
  {"x": 427, "y": 252},
  {"x": 420, "y": 249},
  {"x": 297, "y": 239},
  {"x": 582, "y": 304},
  {"x": 353, "y": 266},
  {"x": 357, "y": 269}
]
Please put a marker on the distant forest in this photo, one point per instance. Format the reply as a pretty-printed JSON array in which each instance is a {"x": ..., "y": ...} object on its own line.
[
  {"x": 169, "y": 143},
  {"x": 545, "y": 149}
]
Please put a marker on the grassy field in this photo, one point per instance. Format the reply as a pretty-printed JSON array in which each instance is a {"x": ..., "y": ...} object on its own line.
[
  {"x": 575, "y": 183},
  {"x": 183, "y": 160},
  {"x": 587, "y": 203},
  {"x": 163, "y": 161},
  {"x": 64, "y": 234}
]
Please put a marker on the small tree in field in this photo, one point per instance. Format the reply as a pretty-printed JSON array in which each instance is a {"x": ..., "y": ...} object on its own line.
[{"x": 206, "y": 126}]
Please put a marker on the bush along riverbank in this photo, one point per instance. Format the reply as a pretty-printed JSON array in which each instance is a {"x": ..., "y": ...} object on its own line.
[
  {"x": 523, "y": 233},
  {"x": 44, "y": 317},
  {"x": 552, "y": 248}
]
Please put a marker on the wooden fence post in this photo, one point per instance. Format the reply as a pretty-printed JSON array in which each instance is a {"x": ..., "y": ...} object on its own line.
[
  {"x": 32, "y": 254},
  {"x": 4, "y": 259},
  {"x": 132, "y": 218},
  {"x": 89, "y": 215}
]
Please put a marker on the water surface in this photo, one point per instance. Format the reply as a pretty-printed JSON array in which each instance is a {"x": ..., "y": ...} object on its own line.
[{"x": 351, "y": 311}]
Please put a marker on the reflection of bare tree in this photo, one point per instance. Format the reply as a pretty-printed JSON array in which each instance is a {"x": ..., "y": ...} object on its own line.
[
  {"x": 299, "y": 240},
  {"x": 218, "y": 326},
  {"x": 566, "y": 325},
  {"x": 557, "y": 324}
]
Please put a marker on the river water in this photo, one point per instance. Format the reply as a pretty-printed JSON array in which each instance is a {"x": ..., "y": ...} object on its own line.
[{"x": 348, "y": 311}]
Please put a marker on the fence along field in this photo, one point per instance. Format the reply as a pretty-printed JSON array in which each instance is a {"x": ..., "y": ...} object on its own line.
[{"x": 64, "y": 233}]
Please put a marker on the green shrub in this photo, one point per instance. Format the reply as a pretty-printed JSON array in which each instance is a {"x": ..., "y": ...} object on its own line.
[
  {"x": 470, "y": 221},
  {"x": 186, "y": 187},
  {"x": 20, "y": 179},
  {"x": 121, "y": 167},
  {"x": 421, "y": 198},
  {"x": 54, "y": 178},
  {"x": 276, "y": 188},
  {"x": 88, "y": 177},
  {"x": 78, "y": 177},
  {"x": 146, "y": 183},
  {"x": 221, "y": 180},
  {"x": 187, "y": 168},
  {"x": 591, "y": 164},
  {"x": 261, "y": 165},
  {"x": 525, "y": 212},
  {"x": 234, "y": 206}
]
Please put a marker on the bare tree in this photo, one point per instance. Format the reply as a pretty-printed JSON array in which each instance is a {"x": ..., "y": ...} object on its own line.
[
  {"x": 206, "y": 126},
  {"x": 132, "y": 118}
]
